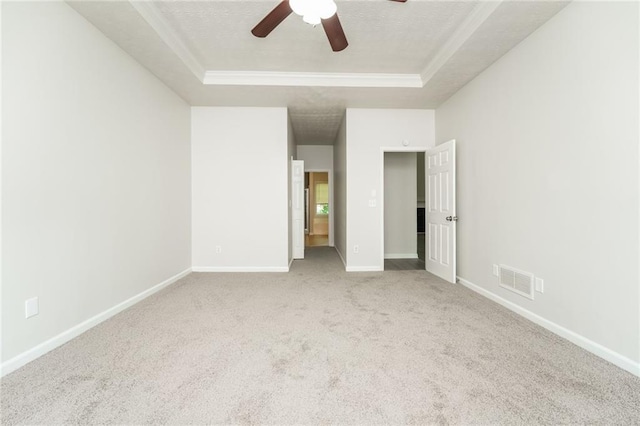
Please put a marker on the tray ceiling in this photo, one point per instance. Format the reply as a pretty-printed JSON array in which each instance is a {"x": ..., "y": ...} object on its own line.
[{"x": 400, "y": 55}]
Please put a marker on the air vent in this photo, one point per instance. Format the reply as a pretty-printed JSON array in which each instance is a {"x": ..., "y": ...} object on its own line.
[{"x": 520, "y": 282}]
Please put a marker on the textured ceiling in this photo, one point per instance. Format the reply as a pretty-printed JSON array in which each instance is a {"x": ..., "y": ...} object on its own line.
[
  {"x": 384, "y": 36},
  {"x": 447, "y": 42}
]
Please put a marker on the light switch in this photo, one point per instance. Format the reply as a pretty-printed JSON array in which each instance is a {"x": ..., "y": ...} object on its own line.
[{"x": 373, "y": 192}]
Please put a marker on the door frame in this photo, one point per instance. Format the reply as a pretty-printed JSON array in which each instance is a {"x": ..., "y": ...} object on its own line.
[
  {"x": 329, "y": 173},
  {"x": 383, "y": 150}
]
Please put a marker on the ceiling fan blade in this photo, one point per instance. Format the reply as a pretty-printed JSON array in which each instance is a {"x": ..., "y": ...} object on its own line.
[
  {"x": 272, "y": 20},
  {"x": 335, "y": 33}
]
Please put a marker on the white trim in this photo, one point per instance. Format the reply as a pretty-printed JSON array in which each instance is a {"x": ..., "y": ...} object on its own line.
[
  {"x": 364, "y": 269},
  {"x": 62, "y": 338},
  {"x": 240, "y": 269},
  {"x": 475, "y": 19},
  {"x": 401, "y": 255},
  {"x": 311, "y": 79},
  {"x": 408, "y": 148},
  {"x": 341, "y": 258},
  {"x": 615, "y": 358},
  {"x": 638, "y": 301},
  {"x": 1, "y": 186},
  {"x": 150, "y": 13}
]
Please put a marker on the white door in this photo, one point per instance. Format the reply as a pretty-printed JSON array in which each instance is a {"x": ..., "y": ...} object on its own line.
[
  {"x": 440, "y": 241},
  {"x": 297, "y": 208}
]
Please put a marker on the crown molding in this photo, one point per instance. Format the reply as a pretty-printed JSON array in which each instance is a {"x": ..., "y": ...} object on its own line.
[
  {"x": 310, "y": 79},
  {"x": 154, "y": 18},
  {"x": 150, "y": 13},
  {"x": 469, "y": 26}
]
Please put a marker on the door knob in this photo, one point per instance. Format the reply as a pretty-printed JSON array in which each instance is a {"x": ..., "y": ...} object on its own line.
[{"x": 452, "y": 218}]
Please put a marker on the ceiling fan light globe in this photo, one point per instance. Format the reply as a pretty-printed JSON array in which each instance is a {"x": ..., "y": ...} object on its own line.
[
  {"x": 327, "y": 9},
  {"x": 311, "y": 19},
  {"x": 299, "y": 7}
]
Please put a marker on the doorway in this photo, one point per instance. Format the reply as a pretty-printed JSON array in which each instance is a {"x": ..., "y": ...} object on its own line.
[
  {"x": 317, "y": 208},
  {"x": 404, "y": 211},
  {"x": 440, "y": 207}
]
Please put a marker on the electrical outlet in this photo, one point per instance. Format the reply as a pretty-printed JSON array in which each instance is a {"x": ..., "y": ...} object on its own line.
[
  {"x": 372, "y": 203},
  {"x": 539, "y": 285},
  {"x": 218, "y": 249},
  {"x": 31, "y": 307},
  {"x": 496, "y": 270},
  {"x": 356, "y": 249}
]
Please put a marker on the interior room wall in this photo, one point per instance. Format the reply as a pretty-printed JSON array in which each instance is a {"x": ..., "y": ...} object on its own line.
[
  {"x": 316, "y": 157},
  {"x": 95, "y": 179},
  {"x": 339, "y": 219},
  {"x": 240, "y": 223},
  {"x": 368, "y": 133},
  {"x": 548, "y": 176},
  {"x": 400, "y": 205}
]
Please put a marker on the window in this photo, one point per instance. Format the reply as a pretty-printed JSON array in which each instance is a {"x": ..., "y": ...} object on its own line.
[{"x": 322, "y": 198}]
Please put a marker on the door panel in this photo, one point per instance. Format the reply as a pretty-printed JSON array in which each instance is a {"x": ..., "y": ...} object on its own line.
[{"x": 440, "y": 182}]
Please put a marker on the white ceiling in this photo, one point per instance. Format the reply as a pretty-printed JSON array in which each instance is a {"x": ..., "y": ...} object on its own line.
[
  {"x": 400, "y": 55},
  {"x": 384, "y": 36}
]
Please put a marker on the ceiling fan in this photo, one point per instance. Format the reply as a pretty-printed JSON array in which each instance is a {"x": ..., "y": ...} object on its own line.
[{"x": 313, "y": 12}]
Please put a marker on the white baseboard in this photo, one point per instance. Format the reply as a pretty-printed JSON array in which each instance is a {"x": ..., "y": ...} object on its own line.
[
  {"x": 401, "y": 255},
  {"x": 62, "y": 338},
  {"x": 240, "y": 269},
  {"x": 613, "y": 357},
  {"x": 365, "y": 268},
  {"x": 358, "y": 268}
]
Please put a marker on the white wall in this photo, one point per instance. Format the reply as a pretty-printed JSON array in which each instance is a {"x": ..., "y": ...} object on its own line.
[
  {"x": 339, "y": 219},
  {"x": 240, "y": 177},
  {"x": 95, "y": 178},
  {"x": 400, "y": 205},
  {"x": 548, "y": 175},
  {"x": 316, "y": 157},
  {"x": 368, "y": 133}
]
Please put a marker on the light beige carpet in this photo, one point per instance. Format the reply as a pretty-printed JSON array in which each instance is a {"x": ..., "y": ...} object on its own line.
[{"x": 317, "y": 346}]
